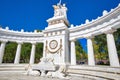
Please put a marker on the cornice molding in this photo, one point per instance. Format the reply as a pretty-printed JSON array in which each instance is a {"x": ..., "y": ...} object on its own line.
[
  {"x": 96, "y": 27},
  {"x": 114, "y": 13}
]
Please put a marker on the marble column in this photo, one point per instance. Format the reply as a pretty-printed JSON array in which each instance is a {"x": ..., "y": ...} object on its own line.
[
  {"x": 17, "y": 57},
  {"x": 32, "y": 56},
  {"x": 2, "y": 49},
  {"x": 113, "y": 57},
  {"x": 73, "y": 53},
  {"x": 91, "y": 59}
]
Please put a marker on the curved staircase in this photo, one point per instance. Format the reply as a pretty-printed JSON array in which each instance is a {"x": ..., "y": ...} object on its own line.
[
  {"x": 92, "y": 72},
  {"x": 95, "y": 72}
]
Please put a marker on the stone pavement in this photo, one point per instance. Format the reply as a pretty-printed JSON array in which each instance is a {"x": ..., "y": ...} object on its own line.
[{"x": 25, "y": 77}]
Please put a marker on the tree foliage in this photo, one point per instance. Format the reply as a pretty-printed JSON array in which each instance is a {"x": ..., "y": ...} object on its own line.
[
  {"x": 39, "y": 52},
  {"x": 100, "y": 46},
  {"x": 80, "y": 53},
  {"x": 25, "y": 53},
  {"x": 117, "y": 41},
  {"x": 10, "y": 52}
]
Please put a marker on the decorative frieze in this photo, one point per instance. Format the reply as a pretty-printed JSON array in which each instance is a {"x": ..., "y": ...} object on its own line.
[
  {"x": 55, "y": 33},
  {"x": 55, "y": 22}
]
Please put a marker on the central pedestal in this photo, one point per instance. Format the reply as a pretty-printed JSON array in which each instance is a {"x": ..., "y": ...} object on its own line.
[{"x": 56, "y": 43}]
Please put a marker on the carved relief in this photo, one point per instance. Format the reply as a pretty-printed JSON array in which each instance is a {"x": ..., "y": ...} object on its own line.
[
  {"x": 54, "y": 47},
  {"x": 53, "y": 44}
]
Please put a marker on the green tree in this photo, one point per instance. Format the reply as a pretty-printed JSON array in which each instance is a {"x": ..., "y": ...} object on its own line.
[
  {"x": 100, "y": 49},
  {"x": 25, "y": 53},
  {"x": 100, "y": 46},
  {"x": 10, "y": 51},
  {"x": 117, "y": 41},
  {"x": 39, "y": 52},
  {"x": 80, "y": 53}
]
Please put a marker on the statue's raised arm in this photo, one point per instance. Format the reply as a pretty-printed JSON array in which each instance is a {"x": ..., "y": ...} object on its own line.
[{"x": 60, "y": 2}]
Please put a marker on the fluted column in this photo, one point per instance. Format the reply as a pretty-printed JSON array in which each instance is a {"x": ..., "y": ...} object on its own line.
[
  {"x": 2, "y": 49},
  {"x": 32, "y": 56},
  {"x": 113, "y": 57},
  {"x": 73, "y": 53},
  {"x": 17, "y": 57},
  {"x": 91, "y": 59}
]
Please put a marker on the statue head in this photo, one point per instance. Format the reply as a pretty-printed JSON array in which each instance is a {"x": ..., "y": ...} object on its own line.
[{"x": 55, "y": 7}]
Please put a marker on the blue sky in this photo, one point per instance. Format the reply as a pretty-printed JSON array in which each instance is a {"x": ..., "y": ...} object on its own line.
[{"x": 32, "y": 14}]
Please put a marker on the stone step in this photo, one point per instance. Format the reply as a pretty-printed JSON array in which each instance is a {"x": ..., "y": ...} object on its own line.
[
  {"x": 13, "y": 72},
  {"x": 13, "y": 67},
  {"x": 107, "y": 69},
  {"x": 87, "y": 76},
  {"x": 95, "y": 71}
]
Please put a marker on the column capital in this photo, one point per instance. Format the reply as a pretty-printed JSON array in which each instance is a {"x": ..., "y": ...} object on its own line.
[
  {"x": 19, "y": 42},
  {"x": 89, "y": 36},
  {"x": 73, "y": 40},
  {"x": 109, "y": 31},
  {"x": 4, "y": 41},
  {"x": 33, "y": 43}
]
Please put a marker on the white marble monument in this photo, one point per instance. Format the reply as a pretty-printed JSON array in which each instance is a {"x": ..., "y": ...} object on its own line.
[
  {"x": 59, "y": 44},
  {"x": 56, "y": 43}
]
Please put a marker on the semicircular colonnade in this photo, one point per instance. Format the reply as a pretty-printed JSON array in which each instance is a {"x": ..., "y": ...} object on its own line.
[{"x": 106, "y": 24}]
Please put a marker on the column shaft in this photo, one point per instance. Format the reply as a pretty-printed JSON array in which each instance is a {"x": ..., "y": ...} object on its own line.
[
  {"x": 73, "y": 53},
  {"x": 91, "y": 60},
  {"x": 113, "y": 57},
  {"x": 17, "y": 57},
  {"x": 44, "y": 49},
  {"x": 32, "y": 56},
  {"x": 2, "y": 49}
]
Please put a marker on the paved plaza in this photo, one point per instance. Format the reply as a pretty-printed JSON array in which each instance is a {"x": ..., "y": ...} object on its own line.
[{"x": 25, "y": 77}]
